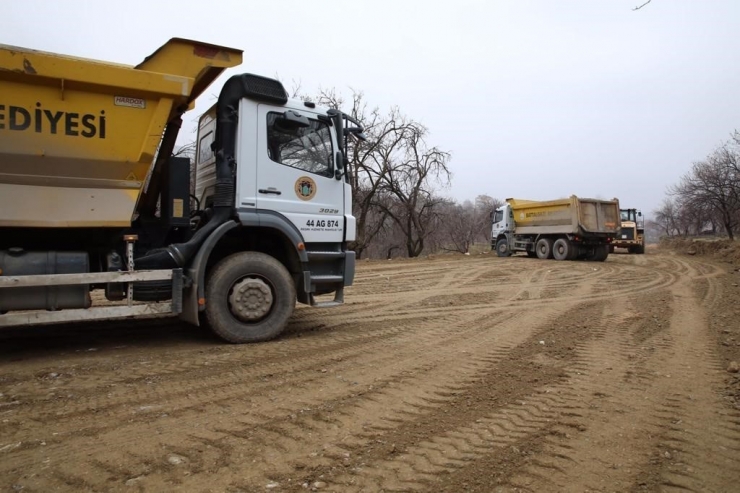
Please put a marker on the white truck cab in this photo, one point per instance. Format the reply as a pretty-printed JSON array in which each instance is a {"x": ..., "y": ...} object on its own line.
[
  {"x": 503, "y": 221},
  {"x": 292, "y": 194},
  {"x": 288, "y": 166}
]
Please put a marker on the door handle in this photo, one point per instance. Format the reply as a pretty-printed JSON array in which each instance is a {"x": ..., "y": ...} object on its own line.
[{"x": 269, "y": 190}]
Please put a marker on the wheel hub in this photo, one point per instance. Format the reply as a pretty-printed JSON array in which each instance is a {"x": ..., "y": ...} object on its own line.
[{"x": 250, "y": 300}]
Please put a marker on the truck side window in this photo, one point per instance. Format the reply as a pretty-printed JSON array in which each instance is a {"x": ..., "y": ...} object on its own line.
[
  {"x": 498, "y": 216},
  {"x": 309, "y": 148},
  {"x": 204, "y": 148}
]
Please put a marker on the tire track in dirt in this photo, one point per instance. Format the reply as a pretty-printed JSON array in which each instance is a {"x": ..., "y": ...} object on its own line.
[
  {"x": 412, "y": 344},
  {"x": 411, "y": 385},
  {"x": 415, "y": 473},
  {"x": 608, "y": 409},
  {"x": 699, "y": 447},
  {"x": 412, "y": 455},
  {"x": 270, "y": 406},
  {"x": 649, "y": 413},
  {"x": 381, "y": 326}
]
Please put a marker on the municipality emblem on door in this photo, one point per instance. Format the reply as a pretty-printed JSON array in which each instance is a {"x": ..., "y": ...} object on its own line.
[{"x": 305, "y": 188}]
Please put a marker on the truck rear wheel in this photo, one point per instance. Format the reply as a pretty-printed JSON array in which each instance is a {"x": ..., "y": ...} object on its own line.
[
  {"x": 544, "y": 248},
  {"x": 563, "y": 249},
  {"x": 600, "y": 253},
  {"x": 502, "y": 248},
  {"x": 249, "y": 298}
]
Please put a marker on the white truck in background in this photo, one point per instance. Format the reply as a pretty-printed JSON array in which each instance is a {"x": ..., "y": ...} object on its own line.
[{"x": 564, "y": 229}]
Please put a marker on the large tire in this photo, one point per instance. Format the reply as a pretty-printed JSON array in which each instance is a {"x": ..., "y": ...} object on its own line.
[
  {"x": 502, "y": 248},
  {"x": 640, "y": 249},
  {"x": 563, "y": 249},
  {"x": 260, "y": 307},
  {"x": 544, "y": 248},
  {"x": 601, "y": 252},
  {"x": 611, "y": 248}
]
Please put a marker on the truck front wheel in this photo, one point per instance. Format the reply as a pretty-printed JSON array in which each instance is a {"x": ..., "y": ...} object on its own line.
[
  {"x": 249, "y": 298},
  {"x": 544, "y": 248},
  {"x": 502, "y": 248}
]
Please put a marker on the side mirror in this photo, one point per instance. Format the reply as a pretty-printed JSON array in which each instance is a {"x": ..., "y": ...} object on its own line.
[
  {"x": 339, "y": 167},
  {"x": 639, "y": 214},
  {"x": 357, "y": 132}
]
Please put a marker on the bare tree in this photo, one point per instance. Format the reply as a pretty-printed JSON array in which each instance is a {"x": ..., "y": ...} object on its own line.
[
  {"x": 671, "y": 218},
  {"x": 410, "y": 175},
  {"x": 468, "y": 223},
  {"x": 711, "y": 187},
  {"x": 385, "y": 135},
  {"x": 459, "y": 226},
  {"x": 641, "y": 6},
  {"x": 393, "y": 174},
  {"x": 653, "y": 231},
  {"x": 485, "y": 205}
]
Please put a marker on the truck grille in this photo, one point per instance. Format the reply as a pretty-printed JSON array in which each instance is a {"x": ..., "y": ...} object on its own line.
[{"x": 627, "y": 234}]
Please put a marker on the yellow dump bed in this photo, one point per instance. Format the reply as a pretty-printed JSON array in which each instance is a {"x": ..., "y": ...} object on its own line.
[
  {"x": 573, "y": 215},
  {"x": 78, "y": 137}
]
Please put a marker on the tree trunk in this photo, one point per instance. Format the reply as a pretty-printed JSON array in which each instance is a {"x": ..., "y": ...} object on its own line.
[
  {"x": 728, "y": 227},
  {"x": 359, "y": 251}
]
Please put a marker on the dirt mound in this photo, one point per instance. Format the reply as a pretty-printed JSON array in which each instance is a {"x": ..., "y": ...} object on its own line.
[{"x": 720, "y": 249}]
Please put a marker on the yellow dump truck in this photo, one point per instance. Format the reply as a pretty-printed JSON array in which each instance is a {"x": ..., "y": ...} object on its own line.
[
  {"x": 632, "y": 233},
  {"x": 92, "y": 199},
  {"x": 565, "y": 229}
]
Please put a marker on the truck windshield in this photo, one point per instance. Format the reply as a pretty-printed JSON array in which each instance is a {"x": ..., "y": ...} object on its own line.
[
  {"x": 627, "y": 215},
  {"x": 309, "y": 148},
  {"x": 498, "y": 216}
]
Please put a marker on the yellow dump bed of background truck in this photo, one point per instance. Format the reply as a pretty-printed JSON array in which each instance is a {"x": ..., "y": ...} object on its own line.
[
  {"x": 572, "y": 215},
  {"x": 78, "y": 137}
]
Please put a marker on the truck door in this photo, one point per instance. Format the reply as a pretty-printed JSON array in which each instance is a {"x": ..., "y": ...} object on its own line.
[
  {"x": 501, "y": 221},
  {"x": 295, "y": 172}
]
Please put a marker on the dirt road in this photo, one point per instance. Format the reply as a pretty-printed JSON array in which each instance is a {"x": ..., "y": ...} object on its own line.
[{"x": 448, "y": 374}]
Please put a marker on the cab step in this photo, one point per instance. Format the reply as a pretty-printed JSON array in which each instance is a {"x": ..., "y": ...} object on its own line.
[
  {"x": 338, "y": 300},
  {"x": 317, "y": 254},
  {"x": 326, "y": 279}
]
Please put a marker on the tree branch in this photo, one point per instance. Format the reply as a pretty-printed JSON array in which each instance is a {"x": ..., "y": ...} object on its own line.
[{"x": 641, "y": 6}]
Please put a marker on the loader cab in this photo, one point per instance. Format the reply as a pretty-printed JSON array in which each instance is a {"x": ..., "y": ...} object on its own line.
[
  {"x": 632, "y": 218},
  {"x": 630, "y": 215}
]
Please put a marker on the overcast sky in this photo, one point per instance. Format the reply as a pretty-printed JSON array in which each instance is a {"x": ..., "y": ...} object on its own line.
[{"x": 535, "y": 99}]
